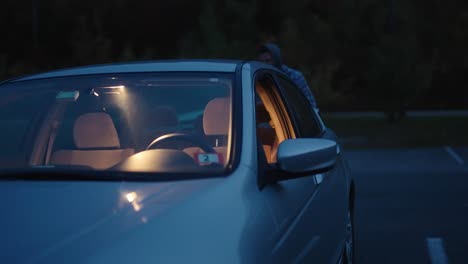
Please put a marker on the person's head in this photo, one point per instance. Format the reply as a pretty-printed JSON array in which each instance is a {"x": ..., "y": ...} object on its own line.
[
  {"x": 265, "y": 57},
  {"x": 270, "y": 53}
]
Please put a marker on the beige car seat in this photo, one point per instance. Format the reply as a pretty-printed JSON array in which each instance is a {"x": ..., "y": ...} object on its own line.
[{"x": 97, "y": 142}]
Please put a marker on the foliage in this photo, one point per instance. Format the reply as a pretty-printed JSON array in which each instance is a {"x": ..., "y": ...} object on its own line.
[{"x": 387, "y": 55}]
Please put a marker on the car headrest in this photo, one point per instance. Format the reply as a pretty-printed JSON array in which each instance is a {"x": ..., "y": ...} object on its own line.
[
  {"x": 95, "y": 130},
  {"x": 216, "y": 117}
]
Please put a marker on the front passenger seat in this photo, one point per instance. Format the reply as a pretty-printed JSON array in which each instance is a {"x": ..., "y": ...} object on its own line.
[{"x": 97, "y": 143}]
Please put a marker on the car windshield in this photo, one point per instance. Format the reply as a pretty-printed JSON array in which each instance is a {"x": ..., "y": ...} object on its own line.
[{"x": 152, "y": 122}]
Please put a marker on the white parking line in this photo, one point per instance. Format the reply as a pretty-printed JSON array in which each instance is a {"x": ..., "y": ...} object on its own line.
[
  {"x": 454, "y": 155},
  {"x": 437, "y": 254}
]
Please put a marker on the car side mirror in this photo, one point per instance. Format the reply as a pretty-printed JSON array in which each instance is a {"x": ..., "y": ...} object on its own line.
[{"x": 305, "y": 156}]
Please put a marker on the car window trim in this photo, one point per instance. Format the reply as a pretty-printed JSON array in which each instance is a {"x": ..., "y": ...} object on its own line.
[{"x": 236, "y": 120}]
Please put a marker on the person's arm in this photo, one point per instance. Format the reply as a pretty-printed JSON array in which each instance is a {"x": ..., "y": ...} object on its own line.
[{"x": 301, "y": 83}]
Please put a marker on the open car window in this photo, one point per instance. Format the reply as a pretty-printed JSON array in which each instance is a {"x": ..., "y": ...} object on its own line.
[
  {"x": 273, "y": 123},
  {"x": 127, "y": 122}
]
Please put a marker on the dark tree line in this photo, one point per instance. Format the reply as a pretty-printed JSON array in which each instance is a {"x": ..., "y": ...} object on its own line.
[{"x": 357, "y": 55}]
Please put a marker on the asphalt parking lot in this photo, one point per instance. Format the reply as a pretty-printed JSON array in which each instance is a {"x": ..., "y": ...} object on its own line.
[{"x": 411, "y": 205}]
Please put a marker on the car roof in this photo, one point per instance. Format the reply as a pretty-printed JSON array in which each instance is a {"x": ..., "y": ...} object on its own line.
[{"x": 221, "y": 66}]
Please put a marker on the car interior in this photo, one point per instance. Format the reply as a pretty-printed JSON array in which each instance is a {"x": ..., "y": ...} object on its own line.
[
  {"x": 97, "y": 143},
  {"x": 273, "y": 126},
  {"x": 100, "y": 126}
]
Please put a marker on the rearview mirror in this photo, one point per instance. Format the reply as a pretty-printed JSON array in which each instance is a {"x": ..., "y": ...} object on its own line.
[{"x": 306, "y": 156}]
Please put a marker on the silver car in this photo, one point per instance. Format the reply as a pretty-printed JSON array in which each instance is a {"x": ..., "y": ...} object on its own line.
[{"x": 169, "y": 162}]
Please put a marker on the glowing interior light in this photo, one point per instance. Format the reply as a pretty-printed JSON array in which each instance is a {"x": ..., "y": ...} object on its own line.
[
  {"x": 121, "y": 87},
  {"x": 118, "y": 89},
  {"x": 131, "y": 197},
  {"x": 95, "y": 93}
]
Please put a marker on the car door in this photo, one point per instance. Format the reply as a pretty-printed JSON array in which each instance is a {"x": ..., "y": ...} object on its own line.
[
  {"x": 288, "y": 201},
  {"x": 325, "y": 215}
]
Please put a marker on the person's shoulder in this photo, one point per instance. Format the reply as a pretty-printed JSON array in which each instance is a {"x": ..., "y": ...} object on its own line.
[{"x": 293, "y": 73}]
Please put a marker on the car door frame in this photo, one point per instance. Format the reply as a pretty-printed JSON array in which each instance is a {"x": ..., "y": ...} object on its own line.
[
  {"x": 331, "y": 177},
  {"x": 287, "y": 200}
]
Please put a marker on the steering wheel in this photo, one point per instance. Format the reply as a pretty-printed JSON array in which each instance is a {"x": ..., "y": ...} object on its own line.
[{"x": 181, "y": 137}]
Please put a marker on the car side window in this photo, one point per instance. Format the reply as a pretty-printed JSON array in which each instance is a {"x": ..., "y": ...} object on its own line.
[
  {"x": 301, "y": 110},
  {"x": 272, "y": 120}
]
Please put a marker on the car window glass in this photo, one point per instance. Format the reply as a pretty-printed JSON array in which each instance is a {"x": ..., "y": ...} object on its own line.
[
  {"x": 18, "y": 114},
  {"x": 301, "y": 109},
  {"x": 108, "y": 122}
]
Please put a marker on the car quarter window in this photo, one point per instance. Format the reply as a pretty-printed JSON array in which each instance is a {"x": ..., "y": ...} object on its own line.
[{"x": 301, "y": 110}]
